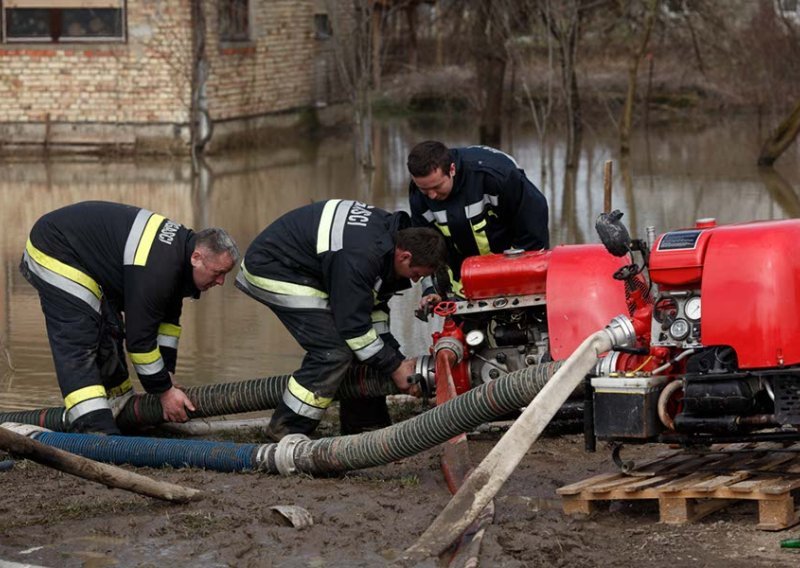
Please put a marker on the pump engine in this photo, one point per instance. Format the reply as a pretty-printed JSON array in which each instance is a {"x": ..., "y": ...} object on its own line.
[{"x": 713, "y": 307}]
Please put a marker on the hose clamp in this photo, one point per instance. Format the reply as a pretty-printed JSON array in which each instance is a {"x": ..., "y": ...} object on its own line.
[
  {"x": 452, "y": 344},
  {"x": 284, "y": 453},
  {"x": 621, "y": 331}
]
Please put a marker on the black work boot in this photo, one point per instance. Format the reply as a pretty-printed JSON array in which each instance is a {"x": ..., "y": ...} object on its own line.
[
  {"x": 96, "y": 422},
  {"x": 363, "y": 415}
]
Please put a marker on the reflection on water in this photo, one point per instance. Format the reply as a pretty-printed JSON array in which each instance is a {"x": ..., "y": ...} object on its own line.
[{"x": 673, "y": 177}]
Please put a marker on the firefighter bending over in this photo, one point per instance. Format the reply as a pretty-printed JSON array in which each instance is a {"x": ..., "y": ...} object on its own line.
[
  {"x": 93, "y": 261},
  {"x": 327, "y": 271},
  {"x": 479, "y": 199}
]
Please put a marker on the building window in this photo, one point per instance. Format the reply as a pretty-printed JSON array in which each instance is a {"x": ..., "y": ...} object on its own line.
[
  {"x": 63, "y": 20},
  {"x": 322, "y": 26},
  {"x": 234, "y": 20}
]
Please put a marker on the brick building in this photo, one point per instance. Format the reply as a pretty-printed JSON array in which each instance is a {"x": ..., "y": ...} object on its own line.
[{"x": 88, "y": 72}]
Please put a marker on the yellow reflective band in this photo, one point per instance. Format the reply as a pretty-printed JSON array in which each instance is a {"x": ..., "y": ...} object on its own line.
[
  {"x": 63, "y": 269},
  {"x": 169, "y": 329},
  {"x": 281, "y": 287},
  {"x": 146, "y": 358},
  {"x": 146, "y": 242},
  {"x": 86, "y": 393},
  {"x": 325, "y": 224},
  {"x": 444, "y": 229},
  {"x": 306, "y": 396},
  {"x": 119, "y": 390},
  {"x": 481, "y": 240},
  {"x": 360, "y": 342},
  {"x": 379, "y": 315}
]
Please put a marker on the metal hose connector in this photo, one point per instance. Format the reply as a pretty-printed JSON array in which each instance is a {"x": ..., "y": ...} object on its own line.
[{"x": 429, "y": 429}]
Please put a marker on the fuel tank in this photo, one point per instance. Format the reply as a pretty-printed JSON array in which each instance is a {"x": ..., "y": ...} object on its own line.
[
  {"x": 749, "y": 280},
  {"x": 513, "y": 273},
  {"x": 751, "y": 292}
]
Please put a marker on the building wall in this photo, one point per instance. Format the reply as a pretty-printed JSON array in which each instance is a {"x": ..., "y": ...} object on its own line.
[
  {"x": 123, "y": 93},
  {"x": 273, "y": 71},
  {"x": 142, "y": 81}
]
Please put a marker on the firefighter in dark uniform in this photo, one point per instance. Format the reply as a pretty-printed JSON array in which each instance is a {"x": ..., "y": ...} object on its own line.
[
  {"x": 479, "y": 199},
  {"x": 327, "y": 271},
  {"x": 93, "y": 261}
]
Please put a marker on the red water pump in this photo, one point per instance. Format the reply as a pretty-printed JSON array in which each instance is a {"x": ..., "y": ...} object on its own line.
[{"x": 718, "y": 352}]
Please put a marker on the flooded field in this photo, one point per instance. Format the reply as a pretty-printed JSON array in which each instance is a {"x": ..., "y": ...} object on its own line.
[{"x": 672, "y": 178}]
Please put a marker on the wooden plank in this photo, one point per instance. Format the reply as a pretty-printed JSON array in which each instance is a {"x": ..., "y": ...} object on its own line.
[
  {"x": 685, "y": 481},
  {"x": 647, "y": 482},
  {"x": 578, "y": 486},
  {"x": 721, "y": 481}
]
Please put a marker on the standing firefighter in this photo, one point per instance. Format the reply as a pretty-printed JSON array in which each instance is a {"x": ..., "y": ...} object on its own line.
[
  {"x": 478, "y": 198},
  {"x": 93, "y": 261},
  {"x": 327, "y": 271}
]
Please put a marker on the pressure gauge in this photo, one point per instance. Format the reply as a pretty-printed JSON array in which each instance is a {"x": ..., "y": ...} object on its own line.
[
  {"x": 679, "y": 329},
  {"x": 692, "y": 308},
  {"x": 475, "y": 338}
]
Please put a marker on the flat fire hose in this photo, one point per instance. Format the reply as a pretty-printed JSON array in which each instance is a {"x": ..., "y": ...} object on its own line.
[
  {"x": 483, "y": 483},
  {"x": 456, "y": 467}
]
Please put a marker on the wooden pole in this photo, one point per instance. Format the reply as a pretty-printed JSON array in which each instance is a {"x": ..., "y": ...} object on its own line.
[
  {"x": 607, "y": 186},
  {"x": 109, "y": 475}
]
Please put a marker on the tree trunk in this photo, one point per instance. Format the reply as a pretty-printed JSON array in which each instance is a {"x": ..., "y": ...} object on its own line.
[
  {"x": 781, "y": 139},
  {"x": 199, "y": 121},
  {"x": 413, "y": 44},
  {"x": 633, "y": 72},
  {"x": 106, "y": 474},
  {"x": 376, "y": 31},
  {"x": 491, "y": 59}
]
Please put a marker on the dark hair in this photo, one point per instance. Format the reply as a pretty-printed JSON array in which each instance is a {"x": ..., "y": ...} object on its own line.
[
  {"x": 426, "y": 245},
  {"x": 217, "y": 241},
  {"x": 428, "y": 156}
]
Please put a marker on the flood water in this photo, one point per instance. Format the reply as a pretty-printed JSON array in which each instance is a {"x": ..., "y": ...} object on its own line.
[{"x": 674, "y": 176}]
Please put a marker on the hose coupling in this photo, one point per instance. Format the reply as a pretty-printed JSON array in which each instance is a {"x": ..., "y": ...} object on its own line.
[
  {"x": 424, "y": 368},
  {"x": 452, "y": 344},
  {"x": 27, "y": 430},
  {"x": 607, "y": 365},
  {"x": 284, "y": 453},
  {"x": 621, "y": 331}
]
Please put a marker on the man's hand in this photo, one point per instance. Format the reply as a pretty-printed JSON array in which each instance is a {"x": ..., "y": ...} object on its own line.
[
  {"x": 400, "y": 378},
  {"x": 429, "y": 300},
  {"x": 174, "y": 404}
]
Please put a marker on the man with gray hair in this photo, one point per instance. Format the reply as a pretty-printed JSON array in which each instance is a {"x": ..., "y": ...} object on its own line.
[{"x": 93, "y": 261}]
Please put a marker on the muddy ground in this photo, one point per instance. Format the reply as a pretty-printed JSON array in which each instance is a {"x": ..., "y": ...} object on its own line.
[{"x": 363, "y": 518}]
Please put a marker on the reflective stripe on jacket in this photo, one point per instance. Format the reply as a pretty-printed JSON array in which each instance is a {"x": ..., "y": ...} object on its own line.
[
  {"x": 138, "y": 260},
  {"x": 335, "y": 255}
]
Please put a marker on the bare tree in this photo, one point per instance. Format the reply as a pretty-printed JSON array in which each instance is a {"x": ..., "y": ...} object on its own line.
[
  {"x": 563, "y": 19},
  {"x": 782, "y": 138},
  {"x": 524, "y": 51},
  {"x": 352, "y": 45},
  {"x": 638, "y": 18}
]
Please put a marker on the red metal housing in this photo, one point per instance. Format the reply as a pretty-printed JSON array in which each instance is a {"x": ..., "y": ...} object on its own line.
[
  {"x": 751, "y": 292},
  {"x": 582, "y": 296},
  {"x": 493, "y": 275}
]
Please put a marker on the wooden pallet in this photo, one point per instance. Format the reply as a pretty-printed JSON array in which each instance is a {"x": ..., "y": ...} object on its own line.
[{"x": 689, "y": 486}]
